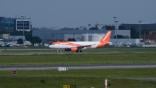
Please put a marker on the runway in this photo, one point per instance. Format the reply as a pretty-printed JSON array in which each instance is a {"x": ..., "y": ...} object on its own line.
[{"x": 72, "y": 67}]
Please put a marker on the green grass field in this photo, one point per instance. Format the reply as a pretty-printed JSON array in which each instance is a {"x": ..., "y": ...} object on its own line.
[
  {"x": 119, "y": 78},
  {"x": 120, "y": 58}
]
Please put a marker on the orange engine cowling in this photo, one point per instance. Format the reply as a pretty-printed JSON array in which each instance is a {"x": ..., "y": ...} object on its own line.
[{"x": 74, "y": 49}]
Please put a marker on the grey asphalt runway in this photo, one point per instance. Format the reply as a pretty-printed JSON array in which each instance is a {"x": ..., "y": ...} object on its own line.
[{"x": 71, "y": 67}]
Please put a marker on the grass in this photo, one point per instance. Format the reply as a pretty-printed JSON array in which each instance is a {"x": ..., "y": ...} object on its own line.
[
  {"x": 119, "y": 78},
  {"x": 44, "y": 82},
  {"x": 121, "y": 58},
  {"x": 110, "y": 73}
]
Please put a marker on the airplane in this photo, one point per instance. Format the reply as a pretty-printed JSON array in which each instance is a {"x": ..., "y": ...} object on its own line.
[{"x": 79, "y": 46}]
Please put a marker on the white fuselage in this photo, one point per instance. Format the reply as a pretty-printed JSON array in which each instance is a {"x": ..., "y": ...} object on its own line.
[{"x": 74, "y": 44}]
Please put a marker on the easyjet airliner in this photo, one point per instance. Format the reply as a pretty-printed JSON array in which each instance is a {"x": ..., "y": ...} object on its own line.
[{"x": 78, "y": 46}]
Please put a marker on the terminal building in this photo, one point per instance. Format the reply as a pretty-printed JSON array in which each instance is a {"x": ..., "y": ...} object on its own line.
[{"x": 15, "y": 28}]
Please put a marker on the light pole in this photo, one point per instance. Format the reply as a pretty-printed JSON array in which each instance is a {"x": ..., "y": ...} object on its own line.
[
  {"x": 140, "y": 28},
  {"x": 23, "y": 32},
  {"x": 116, "y": 26}
]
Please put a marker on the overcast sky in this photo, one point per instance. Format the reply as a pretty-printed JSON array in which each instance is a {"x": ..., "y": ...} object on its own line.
[{"x": 74, "y": 13}]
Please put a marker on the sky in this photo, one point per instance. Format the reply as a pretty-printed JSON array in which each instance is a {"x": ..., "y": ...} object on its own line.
[{"x": 74, "y": 13}]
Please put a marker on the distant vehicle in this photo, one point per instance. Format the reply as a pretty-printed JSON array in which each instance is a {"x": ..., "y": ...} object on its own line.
[{"x": 78, "y": 46}]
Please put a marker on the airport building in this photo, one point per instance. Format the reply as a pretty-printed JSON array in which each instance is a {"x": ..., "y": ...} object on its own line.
[
  {"x": 7, "y": 25},
  {"x": 146, "y": 32},
  {"x": 12, "y": 28},
  {"x": 77, "y": 35}
]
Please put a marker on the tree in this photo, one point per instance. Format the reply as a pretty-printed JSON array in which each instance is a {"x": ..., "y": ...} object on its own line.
[
  {"x": 35, "y": 39},
  {"x": 20, "y": 41},
  {"x": 71, "y": 39},
  {"x": 120, "y": 36}
]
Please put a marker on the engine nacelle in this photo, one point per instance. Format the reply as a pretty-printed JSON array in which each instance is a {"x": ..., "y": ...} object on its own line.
[{"x": 74, "y": 49}]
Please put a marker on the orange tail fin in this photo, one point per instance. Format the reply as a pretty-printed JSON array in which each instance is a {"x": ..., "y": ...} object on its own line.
[{"x": 105, "y": 40}]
